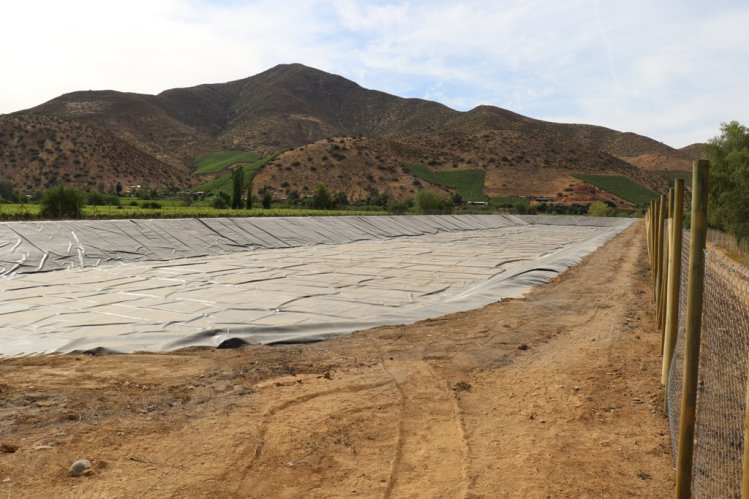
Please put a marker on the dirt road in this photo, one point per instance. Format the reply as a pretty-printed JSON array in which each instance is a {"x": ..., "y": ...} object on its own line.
[{"x": 552, "y": 395}]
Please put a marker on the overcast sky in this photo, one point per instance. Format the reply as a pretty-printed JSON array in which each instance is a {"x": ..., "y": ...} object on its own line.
[{"x": 671, "y": 70}]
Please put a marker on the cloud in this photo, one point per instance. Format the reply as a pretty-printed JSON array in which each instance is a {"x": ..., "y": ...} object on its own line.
[{"x": 671, "y": 70}]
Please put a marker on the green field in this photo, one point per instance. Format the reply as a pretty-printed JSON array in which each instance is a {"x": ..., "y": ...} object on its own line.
[
  {"x": 223, "y": 183},
  {"x": 621, "y": 186},
  {"x": 468, "y": 183},
  {"x": 215, "y": 162},
  {"x": 31, "y": 211}
]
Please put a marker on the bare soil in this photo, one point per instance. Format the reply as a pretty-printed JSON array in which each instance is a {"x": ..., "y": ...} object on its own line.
[{"x": 552, "y": 395}]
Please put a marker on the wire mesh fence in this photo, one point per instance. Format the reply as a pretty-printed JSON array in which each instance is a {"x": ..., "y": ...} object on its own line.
[
  {"x": 721, "y": 395},
  {"x": 728, "y": 242}
]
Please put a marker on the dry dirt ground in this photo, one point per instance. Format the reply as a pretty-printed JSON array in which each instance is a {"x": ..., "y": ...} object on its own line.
[{"x": 552, "y": 395}]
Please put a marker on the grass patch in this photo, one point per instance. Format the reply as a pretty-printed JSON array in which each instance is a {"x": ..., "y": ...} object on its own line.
[
  {"x": 214, "y": 162},
  {"x": 13, "y": 211},
  {"x": 621, "y": 186},
  {"x": 32, "y": 211},
  {"x": 125, "y": 201},
  {"x": 223, "y": 183},
  {"x": 210, "y": 212},
  {"x": 468, "y": 183}
]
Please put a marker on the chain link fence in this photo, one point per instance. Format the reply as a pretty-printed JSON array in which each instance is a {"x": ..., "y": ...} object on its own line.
[
  {"x": 721, "y": 395},
  {"x": 728, "y": 242}
]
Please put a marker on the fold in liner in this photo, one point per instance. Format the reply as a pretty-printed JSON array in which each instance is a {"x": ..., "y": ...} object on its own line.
[{"x": 158, "y": 285}]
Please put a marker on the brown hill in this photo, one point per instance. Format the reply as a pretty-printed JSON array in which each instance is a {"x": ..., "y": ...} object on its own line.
[
  {"x": 659, "y": 162},
  {"x": 284, "y": 107},
  {"x": 362, "y": 168},
  {"x": 290, "y": 106},
  {"x": 514, "y": 164},
  {"x": 694, "y": 152},
  {"x": 598, "y": 138},
  {"x": 38, "y": 151},
  {"x": 136, "y": 119}
]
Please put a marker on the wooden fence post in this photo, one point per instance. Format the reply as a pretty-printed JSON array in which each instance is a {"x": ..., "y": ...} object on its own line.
[
  {"x": 667, "y": 213},
  {"x": 693, "y": 321},
  {"x": 659, "y": 257},
  {"x": 674, "y": 282},
  {"x": 651, "y": 233},
  {"x": 745, "y": 476},
  {"x": 647, "y": 232},
  {"x": 653, "y": 230}
]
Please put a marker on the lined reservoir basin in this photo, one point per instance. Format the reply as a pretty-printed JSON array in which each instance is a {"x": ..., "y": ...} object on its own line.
[{"x": 160, "y": 285}]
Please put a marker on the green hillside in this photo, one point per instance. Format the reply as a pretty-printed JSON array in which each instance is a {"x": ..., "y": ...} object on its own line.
[
  {"x": 223, "y": 183},
  {"x": 468, "y": 183},
  {"x": 621, "y": 186},
  {"x": 214, "y": 162}
]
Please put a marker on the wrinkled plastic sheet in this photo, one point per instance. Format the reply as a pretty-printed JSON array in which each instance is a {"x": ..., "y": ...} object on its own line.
[{"x": 159, "y": 285}]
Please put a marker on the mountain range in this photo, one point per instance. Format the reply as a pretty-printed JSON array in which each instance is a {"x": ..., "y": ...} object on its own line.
[{"x": 320, "y": 128}]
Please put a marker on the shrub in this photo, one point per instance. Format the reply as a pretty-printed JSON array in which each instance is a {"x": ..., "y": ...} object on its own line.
[
  {"x": 248, "y": 200},
  {"x": 7, "y": 192},
  {"x": 101, "y": 199},
  {"x": 341, "y": 199},
  {"x": 322, "y": 199},
  {"x": 398, "y": 207},
  {"x": 267, "y": 199},
  {"x": 62, "y": 201},
  {"x": 220, "y": 201},
  {"x": 237, "y": 180},
  {"x": 429, "y": 203},
  {"x": 600, "y": 209},
  {"x": 728, "y": 200},
  {"x": 293, "y": 198}
]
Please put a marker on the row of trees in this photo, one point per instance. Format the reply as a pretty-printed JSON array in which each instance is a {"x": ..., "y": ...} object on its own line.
[
  {"x": 728, "y": 201},
  {"x": 321, "y": 199}
]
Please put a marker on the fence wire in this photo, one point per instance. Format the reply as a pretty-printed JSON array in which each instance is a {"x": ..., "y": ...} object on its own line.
[
  {"x": 728, "y": 242},
  {"x": 721, "y": 394}
]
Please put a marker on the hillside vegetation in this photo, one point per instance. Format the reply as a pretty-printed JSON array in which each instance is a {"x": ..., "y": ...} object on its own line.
[
  {"x": 224, "y": 182},
  {"x": 38, "y": 152},
  {"x": 469, "y": 184},
  {"x": 215, "y": 162},
  {"x": 621, "y": 186}
]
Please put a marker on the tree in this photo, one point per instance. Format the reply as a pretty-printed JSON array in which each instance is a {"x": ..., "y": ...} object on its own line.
[
  {"x": 293, "y": 199},
  {"x": 237, "y": 179},
  {"x": 266, "y": 197},
  {"x": 100, "y": 199},
  {"x": 340, "y": 199},
  {"x": 118, "y": 188},
  {"x": 322, "y": 199},
  {"x": 248, "y": 201},
  {"x": 429, "y": 203},
  {"x": 62, "y": 201},
  {"x": 398, "y": 207},
  {"x": 600, "y": 209},
  {"x": 220, "y": 200},
  {"x": 728, "y": 200},
  {"x": 7, "y": 193}
]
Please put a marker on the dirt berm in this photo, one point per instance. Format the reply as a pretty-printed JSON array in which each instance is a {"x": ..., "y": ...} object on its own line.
[{"x": 552, "y": 395}]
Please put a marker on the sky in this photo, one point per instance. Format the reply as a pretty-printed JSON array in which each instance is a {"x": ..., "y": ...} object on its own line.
[{"x": 673, "y": 70}]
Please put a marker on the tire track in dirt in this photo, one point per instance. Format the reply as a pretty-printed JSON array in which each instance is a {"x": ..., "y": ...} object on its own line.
[
  {"x": 268, "y": 424},
  {"x": 547, "y": 395},
  {"x": 431, "y": 455},
  {"x": 570, "y": 402}
]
